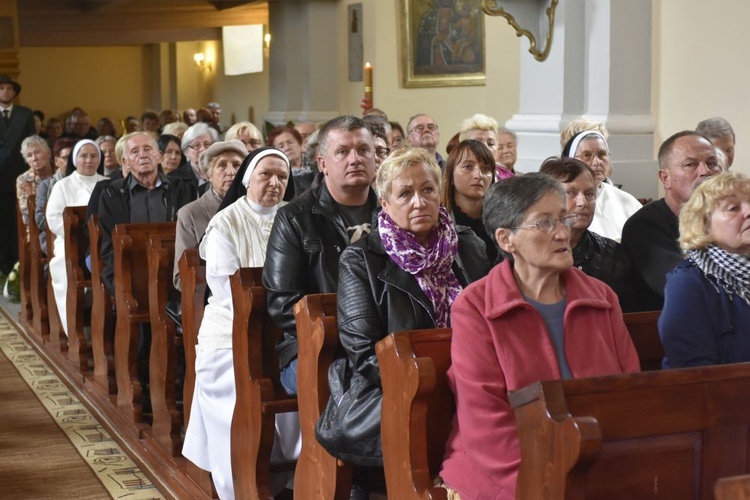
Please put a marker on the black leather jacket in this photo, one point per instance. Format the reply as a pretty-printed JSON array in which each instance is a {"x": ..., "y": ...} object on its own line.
[
  {"x": 376, "y": 298},
  {"x": 302, "y": 257},
  {"x": 606, "y": 260}
]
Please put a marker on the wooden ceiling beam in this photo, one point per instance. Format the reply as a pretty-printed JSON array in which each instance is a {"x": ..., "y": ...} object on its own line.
[{"x": 43, "y": 23}]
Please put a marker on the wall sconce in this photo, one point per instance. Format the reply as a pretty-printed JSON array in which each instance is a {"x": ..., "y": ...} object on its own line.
[
  {"x": 267, "y": 41},
  {"x": 201, "y": 61}
]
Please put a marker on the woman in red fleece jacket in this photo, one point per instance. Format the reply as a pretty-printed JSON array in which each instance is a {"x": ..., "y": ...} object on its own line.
[{"x": 534, "y": 317}]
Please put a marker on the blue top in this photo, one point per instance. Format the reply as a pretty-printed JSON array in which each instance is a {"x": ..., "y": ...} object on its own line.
[
  {"x": 553, "y": 316},
  {"x": 701, "y": 324}
]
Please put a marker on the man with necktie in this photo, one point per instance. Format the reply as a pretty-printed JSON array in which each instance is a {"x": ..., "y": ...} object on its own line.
[{"x": 16, "y": 124}]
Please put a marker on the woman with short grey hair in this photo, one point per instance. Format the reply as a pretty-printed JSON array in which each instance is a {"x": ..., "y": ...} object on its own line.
[
  {"x": 195, "y": 141},
  {"x": 534, "y": 317}
]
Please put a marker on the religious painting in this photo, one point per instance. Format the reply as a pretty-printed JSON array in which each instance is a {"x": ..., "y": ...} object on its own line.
[{"x": 443, "y": 43}]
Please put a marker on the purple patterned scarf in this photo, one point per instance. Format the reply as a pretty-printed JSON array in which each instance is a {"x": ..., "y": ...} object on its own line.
[{"x": 430, "y": 265}]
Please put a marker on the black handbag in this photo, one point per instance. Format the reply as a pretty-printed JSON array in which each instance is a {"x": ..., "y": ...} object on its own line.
[
  {"x": 173, "y": 309},
  {"x": 349, "y": 427}
]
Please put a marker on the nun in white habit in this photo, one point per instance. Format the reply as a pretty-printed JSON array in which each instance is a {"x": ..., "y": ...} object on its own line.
[
  {"x": 73, "y": 190},
  {"x": 237, "y": 236}
]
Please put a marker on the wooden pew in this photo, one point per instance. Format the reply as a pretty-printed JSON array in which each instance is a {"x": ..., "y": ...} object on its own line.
[
  {"x": 26, "y": 314},
  {"x": 102, "y": 317},
  {"x": 733, "y": 488},
  {"x": 57, "y": 338},
  {"x": 418, "y": 409},
  {"x": 645, "y": 335},
  {"x": 166, "y": 427},
  {"x": 318, "y": 474},
  {"x": 38, "y": 288},
  {"x": 79, "y": 279},
  {"x": 193, "y": 282},
  {"x": 131, "y": 299},
  {"x": 260, "y": 396},
  {"x": 667, "y": 434}
]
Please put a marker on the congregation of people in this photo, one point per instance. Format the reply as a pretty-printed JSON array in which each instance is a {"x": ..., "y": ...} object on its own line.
[{"x": 532, "y": 272}]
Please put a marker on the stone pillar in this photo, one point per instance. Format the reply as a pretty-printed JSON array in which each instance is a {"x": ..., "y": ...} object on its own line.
[
  {"x": 600, "y": 67},
  {"x": 9, "y": 44},
  {"x": 303, "y": 60}
]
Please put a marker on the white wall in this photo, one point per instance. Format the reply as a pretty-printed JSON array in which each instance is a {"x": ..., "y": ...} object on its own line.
[{"x": 701, "y": 68}]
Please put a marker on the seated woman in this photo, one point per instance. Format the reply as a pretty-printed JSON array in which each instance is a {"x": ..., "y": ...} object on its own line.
[
  {"x": 61, "y": 154},
  {"x": 404, "y": 275},
  {"x": 613, "y": 206},
  {"x": 483, "y": 128},
  {"x": 236, "y": 237},
  {"x": 219, "y": 163},
  {"x": 171, "y": 153},
  {"x": 247, "y": 133},
  {"x": 706, "y": 315},
  {"x": 288, "y": 140},
  {"x": 110, "y": 164},
  {"x": 469, "y": 173},
  {"x": 534, "y": 317},
  {"x": 71, "y": 191},
  {"x": 38, "y": 156},
  {"x": 595, "y": 255}
]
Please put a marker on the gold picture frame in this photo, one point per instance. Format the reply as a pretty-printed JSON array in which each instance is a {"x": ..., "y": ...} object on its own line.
[{"x": 442, "y": 43}]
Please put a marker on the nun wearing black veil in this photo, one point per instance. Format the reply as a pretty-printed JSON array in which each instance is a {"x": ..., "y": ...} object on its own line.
[{"x": 237, "y": 236}]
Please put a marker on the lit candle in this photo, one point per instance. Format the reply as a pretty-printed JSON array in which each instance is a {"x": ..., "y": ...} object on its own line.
[{"x": 368, "y": 82}]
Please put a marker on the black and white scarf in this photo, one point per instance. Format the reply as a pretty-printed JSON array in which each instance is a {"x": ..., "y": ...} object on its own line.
[{"x": 723, "y": 269}]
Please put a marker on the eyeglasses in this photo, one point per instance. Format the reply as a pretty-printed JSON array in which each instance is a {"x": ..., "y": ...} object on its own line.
[
  {"x": 253, "y": 143},
  {"x": 201, "y": 145},
  {"x": 421, "y": 128},
  {"x": 548, "y": 224},
  {"x": 382, "y": 152},
  {"x": 588, "y": 156}
]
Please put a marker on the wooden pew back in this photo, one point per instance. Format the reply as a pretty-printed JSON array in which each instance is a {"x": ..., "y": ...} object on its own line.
[
  {"x": 318, "y": 474},
  {"x": 26, "y": 314},
  {"x": 79, "y": 278},
  {"x": 645, "y": 335},
  {"x": 259, "y": 393},
  {"x": 193, "y": 282},
  {"x": 131, "y": 297},
  {"x": 418, "y": 409},
  {"x": 38, "y": 288},
  {"x": 733, "y": 488},
  {"x": 166, "y": 427},
  {"x": 670, "y": 434}
]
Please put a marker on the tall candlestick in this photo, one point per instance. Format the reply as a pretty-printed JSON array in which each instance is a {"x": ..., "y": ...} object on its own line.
[{"x": 368, "y": 83}]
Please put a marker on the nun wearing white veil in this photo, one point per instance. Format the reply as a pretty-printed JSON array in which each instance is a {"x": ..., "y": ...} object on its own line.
[
  {"x": 71, "y": 191},
  {"x": 237, "y": 236}
]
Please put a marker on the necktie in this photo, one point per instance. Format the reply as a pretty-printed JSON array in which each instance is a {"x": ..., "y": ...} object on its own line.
[{"x": 6, "y": 115}]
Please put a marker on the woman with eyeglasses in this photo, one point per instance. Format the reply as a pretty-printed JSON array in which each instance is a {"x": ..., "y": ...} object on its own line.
[
  {"x": 613, "y": 206},
  {"x": 598, "y": 256},
  {"x": 196, "y": 140},
  {"x": 534, "y": 317}
]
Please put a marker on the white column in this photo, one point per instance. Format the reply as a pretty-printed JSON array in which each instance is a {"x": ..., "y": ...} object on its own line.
[
  {"x": 600, "y": 67},
  {"x": 303, "y": 61}
]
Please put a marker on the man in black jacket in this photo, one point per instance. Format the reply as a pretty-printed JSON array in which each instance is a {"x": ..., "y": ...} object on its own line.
[
  {"x": 16, "y": 124},
  {"x": 143, "y": 196},
  {"x": 310, "y": 233}
]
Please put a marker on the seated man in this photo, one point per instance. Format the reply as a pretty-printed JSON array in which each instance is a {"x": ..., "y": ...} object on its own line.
[
  {"x": 721, "y": 134},
  {"x": 423, "y": 132},
  {"x": 310, "y": 233},
  {"x": 143, "y": 195},
  {"x": 650, "y": 235}
]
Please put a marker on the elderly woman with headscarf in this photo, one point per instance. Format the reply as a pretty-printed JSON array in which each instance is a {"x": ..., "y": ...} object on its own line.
[
  {"x": 219, "y": 163},
  {"x": 613, "y": 206},
  {"x": 534, "y": 317},
  {"x": 706, "y": 314},
  {"x": 404, "y": 275},
  {"x": 236, "y": 237},
  {"x": 73, "y": 190}
]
